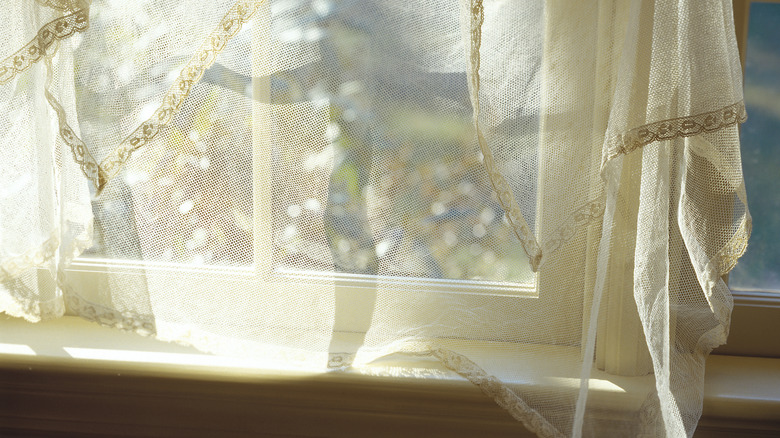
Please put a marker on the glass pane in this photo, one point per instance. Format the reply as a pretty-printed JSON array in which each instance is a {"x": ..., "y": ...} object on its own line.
[
  {"x": 760, "y": 136},
  {"x": 407, "y": 193},
  {"x": 181, "y": 198},
  {"x": 391, "y": 184}
]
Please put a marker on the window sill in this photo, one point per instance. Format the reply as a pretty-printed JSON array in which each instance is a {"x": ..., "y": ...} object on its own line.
[{"x": 68, "y": 377}]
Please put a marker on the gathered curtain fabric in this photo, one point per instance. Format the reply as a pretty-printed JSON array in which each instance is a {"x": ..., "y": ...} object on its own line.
[{"x": 543, "y": 196}]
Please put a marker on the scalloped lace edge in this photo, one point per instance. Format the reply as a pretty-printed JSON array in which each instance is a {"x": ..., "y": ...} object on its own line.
[
  {"x": 189, "y": 76},
  {"x": 490, "y": 386},
  {"x": 40, "y": 257},
  {"x": 107, "y": 317},
  {"x": 503, "y": 191},
  {"x": 726, "y": 259},
  {"x": 44, "y": 42},
  {"x": 43, "y": 254},
  {"x": 721, "y": 264},
  {"x": 31, "y": 310},
  {"x": 687, "y": 126},
  {"x": 145, "y": 325}
]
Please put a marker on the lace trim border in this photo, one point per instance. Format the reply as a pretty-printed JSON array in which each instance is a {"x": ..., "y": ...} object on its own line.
[
  {"x": 586, "y": 214},
  {"x": 505, "y": 196},
  {"x": 107, "y": 317},
  {"x": 148, "y": 325},
  {"x": 61, "y": 5},
  {"x": 12, "y": 267},
  {"x": 491, "y": 386},
  {"x": 725, "y": 260},
  {"x": 31, "y": 310},
  {"x": 669, "y": 129},
  {"x": 81, "y": 156},
  {"x": 38, "y": 47},
  {"x": 38, "y": 257},
  {"x": 190, "y": 75}
]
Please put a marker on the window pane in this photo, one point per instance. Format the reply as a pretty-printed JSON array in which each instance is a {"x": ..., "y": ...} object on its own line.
[
  {"x": 183, "y": 197},
  {"x": 760, "y": 135},
  {"x": 407, "y": 193},
  {"x": 390, "y": 184}
]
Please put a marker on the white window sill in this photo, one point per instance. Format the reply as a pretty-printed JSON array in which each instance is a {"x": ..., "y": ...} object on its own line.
[{"x": 71, "y": 376}]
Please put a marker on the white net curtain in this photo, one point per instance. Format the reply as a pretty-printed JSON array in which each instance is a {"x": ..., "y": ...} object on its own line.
[{"x": 504, "y": 186}]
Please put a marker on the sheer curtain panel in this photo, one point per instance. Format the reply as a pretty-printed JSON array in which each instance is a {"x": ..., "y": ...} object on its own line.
[{"x": 503, "y": 186}]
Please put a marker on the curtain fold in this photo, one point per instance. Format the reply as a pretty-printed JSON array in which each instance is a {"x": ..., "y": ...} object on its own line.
[{"x": 324, "y": 183}]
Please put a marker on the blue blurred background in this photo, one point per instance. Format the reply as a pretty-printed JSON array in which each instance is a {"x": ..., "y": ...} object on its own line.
[{"x": 760, "y": 136}]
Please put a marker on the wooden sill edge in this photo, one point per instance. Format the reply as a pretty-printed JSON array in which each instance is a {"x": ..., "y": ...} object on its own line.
[{"x": 741, "y": 393}]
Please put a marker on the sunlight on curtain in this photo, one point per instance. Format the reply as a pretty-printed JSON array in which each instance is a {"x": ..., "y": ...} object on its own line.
[{"x": 326, "y": 182}]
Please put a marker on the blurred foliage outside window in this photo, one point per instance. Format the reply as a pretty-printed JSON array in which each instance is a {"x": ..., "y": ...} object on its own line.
[{"x": 441, "y": 224}]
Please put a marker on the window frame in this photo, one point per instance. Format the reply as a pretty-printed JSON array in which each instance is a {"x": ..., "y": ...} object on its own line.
[
  {"x": 756, "y": 312},
  {"x": 355, "y": 294},
  {"x": 84, "y": 385}
]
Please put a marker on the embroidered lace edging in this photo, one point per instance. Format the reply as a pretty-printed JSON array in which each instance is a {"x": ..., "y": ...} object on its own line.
[
  {"x": 537, "y": 252},
  {"x": 148, "y": 325},
  {"x": 584, "y": 215},
  {"x": 721, "y": 264},
  {"x": 725, "y": 260},
  {"x": 38, "y": 47},
  {"x": 491, "y": 386},
  {"x": 12, "y": 267},
  {"x": 60, "y": 5},
  {"x": 107, "y": 317},
  {"x": 87, "y": 163},
  {"x": 31, "y": 310},
  {"x": 190, "y": 75},
  {"x": 38, "y": 257},
  {"x": 505, "y": 196},
  {"x": 626, "y": 142}
]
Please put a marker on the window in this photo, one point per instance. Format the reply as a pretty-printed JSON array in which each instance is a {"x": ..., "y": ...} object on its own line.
[
  {"x": 321, "y": 178},
  {"x": 390, "y": 190},
  {"x": 754, "y": 281}
]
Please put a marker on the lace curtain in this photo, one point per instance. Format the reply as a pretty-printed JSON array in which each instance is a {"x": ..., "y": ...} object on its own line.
[{"x": 322, "y": 183}]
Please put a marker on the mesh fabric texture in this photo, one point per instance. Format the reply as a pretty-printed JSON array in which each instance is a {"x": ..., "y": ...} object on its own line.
[{"x": 323, "y": 183}]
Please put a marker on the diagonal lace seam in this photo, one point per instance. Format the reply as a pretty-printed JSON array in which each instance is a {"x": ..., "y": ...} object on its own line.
[
  {"x": 626, "y": 142},
  {"x": 725, "y": 260},
  {"x": 189, "y": 76},
  {"x": 586, "y": 214},
  {"x": 43, "y": 44},
  {"x": 81, "y": 155},
  {"x": 100, "y": 174},
  {"x": 493, "y": 387},
  {"x": 61, "y": 5},
  {"x": 504, "y": 192}
]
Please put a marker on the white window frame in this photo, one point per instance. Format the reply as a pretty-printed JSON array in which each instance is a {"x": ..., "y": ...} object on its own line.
[
  {"x": 738, "y": 391},
  {"x": 756, "y": 312},
  {"x": 354, "y": 294},
  {"x": 621, "y": 340}
]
